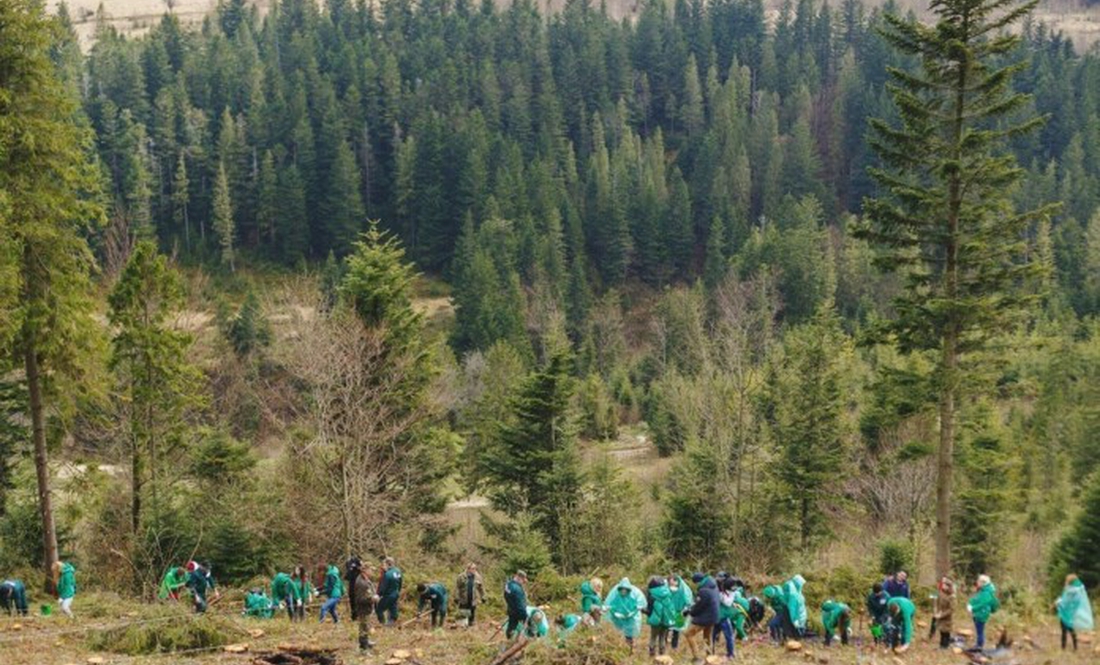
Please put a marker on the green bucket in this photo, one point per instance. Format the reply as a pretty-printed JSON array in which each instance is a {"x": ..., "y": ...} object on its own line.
[{"x": 47, "y": 610}]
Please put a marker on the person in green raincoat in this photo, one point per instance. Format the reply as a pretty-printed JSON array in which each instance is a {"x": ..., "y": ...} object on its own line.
[
  {"x": 591, "y": 591},
  {"x": 258, "y": 605},
  {"x": 741, "y": 614},
  {"x": 900, "y": 630},
  {"x": 796, "y": 603},
  {"x": 682, "y": 598},
  {"x": 981, "y": 606},
  {"x": 537, "y": 625},
  {"x": 624, "y": 604},
  {"x": 779, "y": 626},
  {"x": 661, "y": 615},
  {"x": 836, "y": 616},
  {"x": 282, "y": 591},
  {"x": 301, "y": 593},
  {"x": 566, "y": 624},
  {"x": 64, "y": 575},
  {"x": 173, "y": 583},
  {"x": 1074, "y": 610}
]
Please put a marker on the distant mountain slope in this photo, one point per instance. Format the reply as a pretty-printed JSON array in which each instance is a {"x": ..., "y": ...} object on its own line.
[{"x": 1078, "y": 19}]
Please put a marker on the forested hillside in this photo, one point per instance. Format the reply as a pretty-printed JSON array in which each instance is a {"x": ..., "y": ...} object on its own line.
[{"x": 652, "y": 229}]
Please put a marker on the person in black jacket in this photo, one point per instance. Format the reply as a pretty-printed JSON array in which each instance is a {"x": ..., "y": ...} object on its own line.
[
  {"x": 703, "y": 613},
  {"x": 351, "y": 575}
]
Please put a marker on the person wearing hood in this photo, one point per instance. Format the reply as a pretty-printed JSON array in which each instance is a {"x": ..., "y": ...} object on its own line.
[
  {"x": 282, "y": 591},
  {"x": 741, "y": 616},
  {"x": 777, "y": 600},
  {"x": 470, "y": 592},
  {"x": 173, "y": 583},
  {"x": 836, "y": 617},
  {"x": 536, "y": 625},
  {"x": 982, "y": 605},
  {"x": 333, "y": 590},
  {"x": 682, "y": 598},
  {"x": 434, "y": 595},
  {"x": 258, "y": 605},
  {"x": 943, "y": 609},
  {"x": 900, "y": 629},
  {"x": 64, "y": 577},
  {"x": 301, "y": 591},
  {"x": 389, "y": 590},
  {"x": 13, "y": 597},
  {"x": 703, "y": 613},
  {"x": 876, "y": 608},
  {"x": 565, "y": 625},
  {"x": 1074, "y": 610},
  {"x": 897, "y": 585},
  {"x": 796, "y": 604},
  {"x": 591, "y": 592},
  {"x": 515, "y": 598},
  {"x": 200, "y": 581},
  {"x": 351, "y": 573},
  {"x": 625, "y": 604},
  {"x": 661, "y": 614}
]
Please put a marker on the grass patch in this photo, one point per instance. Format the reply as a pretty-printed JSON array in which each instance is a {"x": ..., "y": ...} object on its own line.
[{"x": 169, "y": 636}]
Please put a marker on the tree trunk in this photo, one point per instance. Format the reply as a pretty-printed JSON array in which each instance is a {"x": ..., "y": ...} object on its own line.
[
  {"x": 945, "y": 460},
  {"x": 41, "y": 459}
]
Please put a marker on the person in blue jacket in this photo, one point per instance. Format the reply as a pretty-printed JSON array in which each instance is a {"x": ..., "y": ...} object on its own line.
[
  {"x": 897, "y": 585},
  {"x": 703, "y": 613}
]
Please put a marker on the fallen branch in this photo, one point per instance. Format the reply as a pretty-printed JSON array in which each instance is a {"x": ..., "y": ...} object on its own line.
[{"x": 511, "y": 652}]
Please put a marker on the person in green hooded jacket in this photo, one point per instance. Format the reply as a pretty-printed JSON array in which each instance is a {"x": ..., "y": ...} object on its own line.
[
  {"x": 173, "y": 583},
  {"x": 258, "y": 605},
  {"x": 282, "y": 591},
  {"x": 64, "y": 575},
  {"x": 624, "y": 605},
  {"x": 900, "y": 628},
  {"x": 682, "y": 598},
  {"x": 389, "y": 592},
  {"x": 796, "y": 604},
  {"x": 836, "y": 616},
  {"x": 302, "y": 591},
  {"x": 779, "y": 626},
  {"x": 334, "y": 591},
  {"x": 982, "y": 605},
  {"x": 741, "y": 615},
  {"x": 661, "y": 614},
  {"x": 565, "y": 625},
  {"x": 591, "y": 595},
  {"x": 1074, "y": 610}
]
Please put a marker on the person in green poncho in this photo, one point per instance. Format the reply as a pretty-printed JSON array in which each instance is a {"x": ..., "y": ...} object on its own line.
[
  {"x": 591, "y": 595},
  {"x": 836, "y": 616},
  {"x": 173, "y": 583},
  {"x": 779, "y": 626},
  {"x": 796, "y": 604},
  {"x": 64, "y": 575},
  {"x": 741, "y": 615},
  {"x": 334, "y": 591},
  {"x": 258, "y": 605},
  {"x": 624, "y": 604},
  {"x": 1074, "y": 610},
  {"x": 900, "y": 628},
  {"x": 536, "y": 626},
  {"x": 682, "y": 598},
  {"x": 981, "y": 606},
  {"x": 566, "y": 624},
  {"x": 661, "y": 614},
  {"x": 434, "y": 595},
  {"x": 282, "y": 591}
]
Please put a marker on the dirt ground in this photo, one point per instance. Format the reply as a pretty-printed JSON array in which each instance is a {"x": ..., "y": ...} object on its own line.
[{"x": 52, "y": 640}]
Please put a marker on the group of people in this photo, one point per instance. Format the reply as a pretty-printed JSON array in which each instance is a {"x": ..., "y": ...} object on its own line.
[
  {"x": 194, "y": 578},
  {"x": 13, "y": 593}
]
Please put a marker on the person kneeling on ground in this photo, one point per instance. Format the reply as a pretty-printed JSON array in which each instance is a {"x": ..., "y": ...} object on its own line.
[
  {"x": 876, "y": 607},
  {"x": 625, "y": 603},
  {"x": 433, "y": 594},
  {"x": 900, "y": 631},
  {"x": 836, "y": 616},
  {"x": 470, "y": 592},
  {"x": 364, "y": 596},
  {"x": 13, "y": 597},
  {"x": 943, "y": 611},
  {"x": 334, "y": 591},
  {"x": 703, "y": 613},
  {"x": 1074, "y": 610},
  {"x": 257, "y": 605}
]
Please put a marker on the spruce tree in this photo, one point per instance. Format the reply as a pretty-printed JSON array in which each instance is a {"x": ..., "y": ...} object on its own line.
[
  {"x": 47, "y": 186},
  {"x": 181, "y": 200},
  {"x": 158, "y": 388},
  {"x": 945, "y": 219},
  {"x": 1076, "y": 551},
  {"x": 222, "y": 217}
]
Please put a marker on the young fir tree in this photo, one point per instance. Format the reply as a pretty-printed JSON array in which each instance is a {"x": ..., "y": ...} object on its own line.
[
  {"x": 945, "y": 219},
  {"x": 1076, "y": 551},
  {"x": 181, "y": 200},
  {"x": 222, "y": 216},
  {"x": 535, "y": 467},
  {"x": 47, "y": 184},
  {"x": 804, "y": 409},
  {"x": 157, "y": 387}
]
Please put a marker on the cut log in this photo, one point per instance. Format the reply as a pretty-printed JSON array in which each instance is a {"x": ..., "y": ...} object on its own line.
[
  {"x": 96, "y": 660},
  {"x": 664, "y": 660},
  {"x": 793, "y": 645},
  {"x": 966, "y": 632},
  {"x": 957, "y": 651},
  {"x": 394, "y": 661},
  {"x": 511, "y": 652},
  {"x": 714, "y": 660},
  {"x": 256, "y": 633},
  {"x": 235, "y": 648},
  {"x": 402, "y": 654}
]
